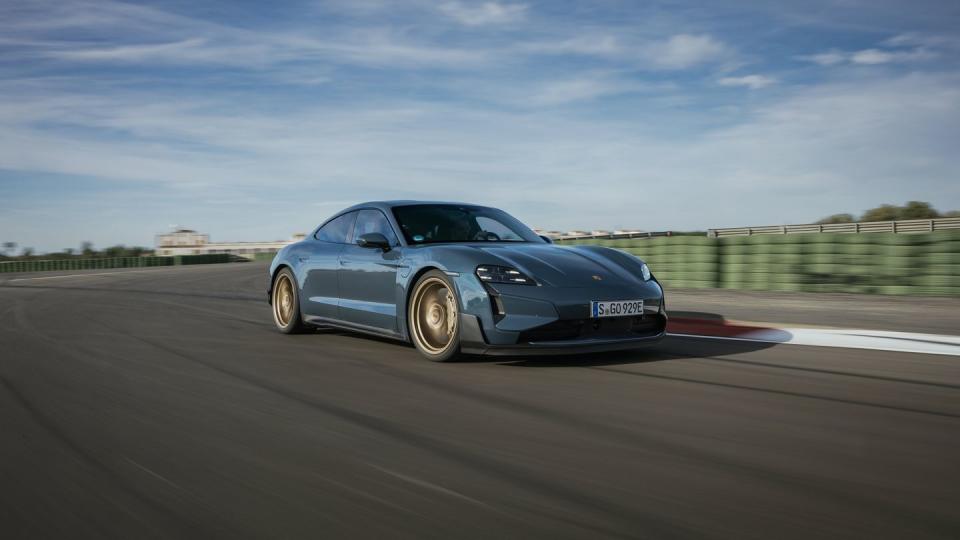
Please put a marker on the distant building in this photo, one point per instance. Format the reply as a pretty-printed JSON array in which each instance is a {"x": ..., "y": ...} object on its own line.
[
  {"x": 182, "y": 238},
  {"x": 548, "y": 234},
  {"x": 190, "y": 242}
]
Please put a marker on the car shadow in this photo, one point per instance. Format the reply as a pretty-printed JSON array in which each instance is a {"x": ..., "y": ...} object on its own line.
[
  {"x": 693, "y": 341},
  {"x": 670, "y": 348}
]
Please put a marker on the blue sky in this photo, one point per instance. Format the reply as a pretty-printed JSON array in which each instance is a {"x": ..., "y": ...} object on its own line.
[{"x": 254, "y": 120}]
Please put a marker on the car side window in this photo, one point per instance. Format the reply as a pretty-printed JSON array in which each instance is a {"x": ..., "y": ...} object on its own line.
[
  {"x": 371, "y": 221},
  {"x": 337, "y": 231}
]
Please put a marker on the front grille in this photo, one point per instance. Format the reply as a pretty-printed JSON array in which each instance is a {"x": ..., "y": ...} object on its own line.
[
  {"x": 555, "y": 331},
  {"x": 608, "y": 328}
]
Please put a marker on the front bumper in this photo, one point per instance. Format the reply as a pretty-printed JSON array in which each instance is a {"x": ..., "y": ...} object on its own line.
[
  {"x": 472, "y": 340},
  {"x": 541, "y": 320}
]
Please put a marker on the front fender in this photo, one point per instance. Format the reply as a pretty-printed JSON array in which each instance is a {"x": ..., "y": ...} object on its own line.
[
  {"x": 284, "y": 257},
  {"x": 415, "y": 262}
]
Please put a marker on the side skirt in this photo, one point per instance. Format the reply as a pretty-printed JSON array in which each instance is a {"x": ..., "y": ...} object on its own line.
[{"x": 363, "y": 329}]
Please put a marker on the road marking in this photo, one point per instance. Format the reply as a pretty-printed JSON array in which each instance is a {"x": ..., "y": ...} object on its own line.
[
  {"x": 93, "y": 274},
  {"x": 428, "y": 485},
  {"x": 846, "y": 339},
  {"x": 153, "y": 474}
]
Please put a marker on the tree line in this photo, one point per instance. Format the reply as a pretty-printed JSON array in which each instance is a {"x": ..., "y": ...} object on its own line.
[
  {"x": 10, "y": 251},
  {"x": 892, "y": 212}
]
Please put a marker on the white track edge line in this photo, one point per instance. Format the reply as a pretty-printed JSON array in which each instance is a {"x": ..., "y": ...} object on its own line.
[
  {"x": 865, "y": 343},
  {"x": 86, "y": 275}
]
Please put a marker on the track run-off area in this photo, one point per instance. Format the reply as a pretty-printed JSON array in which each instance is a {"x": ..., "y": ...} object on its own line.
[{"x": 162, "y": 403}]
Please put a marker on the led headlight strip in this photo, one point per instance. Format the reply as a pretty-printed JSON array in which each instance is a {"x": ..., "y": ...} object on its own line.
[{"x": 503, "y": 274}]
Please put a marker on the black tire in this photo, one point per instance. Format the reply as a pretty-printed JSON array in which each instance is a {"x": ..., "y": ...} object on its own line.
[
  {"x": 434, "y": 330},
  {"x": 285, "y": 303}
]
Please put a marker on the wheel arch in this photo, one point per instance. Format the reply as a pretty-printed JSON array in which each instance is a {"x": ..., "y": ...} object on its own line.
[
  {"x": 273, "y": 279},
  {"x": 408, "y": 296}
]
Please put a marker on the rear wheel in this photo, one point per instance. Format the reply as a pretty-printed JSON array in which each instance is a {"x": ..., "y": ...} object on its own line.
[
  {"x": 434, "y": 317},
  {"x": 286, "y": 303}
]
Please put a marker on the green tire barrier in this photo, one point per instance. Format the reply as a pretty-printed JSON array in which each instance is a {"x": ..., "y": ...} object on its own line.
[
  {"x": 115, "y": 262},
  {"x": 876, "y": 263}
]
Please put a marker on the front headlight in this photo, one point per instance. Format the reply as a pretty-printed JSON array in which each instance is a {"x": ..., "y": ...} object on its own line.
[
  {"x": 645, "y": 272},
  {"x": 503, "y": 274}
]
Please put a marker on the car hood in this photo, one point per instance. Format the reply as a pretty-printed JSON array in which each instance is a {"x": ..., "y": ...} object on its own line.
[{"x": 564, "y": 266}]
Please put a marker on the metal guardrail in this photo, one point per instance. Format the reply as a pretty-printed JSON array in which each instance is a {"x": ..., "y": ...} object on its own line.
[{"x": 904, "y": 226}]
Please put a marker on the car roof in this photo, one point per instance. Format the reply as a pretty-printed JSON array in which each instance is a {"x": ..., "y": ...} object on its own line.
[{"x": 386, "y": 205}]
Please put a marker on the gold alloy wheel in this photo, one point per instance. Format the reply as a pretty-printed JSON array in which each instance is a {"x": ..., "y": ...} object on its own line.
[
  {"x": 434, "y": 315},
  {"x": 283, "y": 304}
]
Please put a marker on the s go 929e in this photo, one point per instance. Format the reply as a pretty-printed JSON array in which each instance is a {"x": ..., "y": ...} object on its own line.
[{"x": 457, "y": 278}]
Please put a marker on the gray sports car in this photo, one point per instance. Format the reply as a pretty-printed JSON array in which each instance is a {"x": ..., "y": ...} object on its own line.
[{"x": 459, "y": 278}]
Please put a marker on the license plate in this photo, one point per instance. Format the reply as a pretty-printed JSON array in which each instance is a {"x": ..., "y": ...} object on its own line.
[{"x": 616, "y": 308}]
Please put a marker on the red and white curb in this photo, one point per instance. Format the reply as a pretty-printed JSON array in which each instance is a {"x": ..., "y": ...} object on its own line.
[{"x": 877, "y": 340}]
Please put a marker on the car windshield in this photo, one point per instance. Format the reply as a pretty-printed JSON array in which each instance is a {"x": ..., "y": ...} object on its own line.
[{"x": 436, "y": 223}]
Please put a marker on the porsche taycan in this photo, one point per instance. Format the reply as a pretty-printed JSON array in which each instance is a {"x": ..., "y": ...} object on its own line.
[{"x": 455, "y": 278}]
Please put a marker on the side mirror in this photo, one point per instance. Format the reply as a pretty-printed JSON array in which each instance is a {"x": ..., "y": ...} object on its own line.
[
  {"x": 374, "y": 240},
  {"x": 547, "y": 239}
]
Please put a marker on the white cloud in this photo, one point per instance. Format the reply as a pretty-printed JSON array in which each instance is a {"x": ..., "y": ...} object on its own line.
[
  {"x": 142, "y": 35},
  {"x": 875, "y": 56},
  {"x": 872, "y": 56},
  {"x": 376, "y": 48},
  {"x": 121, "y": 21},
  {"x": 483, "y": 13},
  {"x": 356, "y": 7},
  {"x": 829, "y": 58},
  {"x": 856, "y": 143},
  {"x": 592, "y": 45},
  {"x": 679, "y": 51},
  {"x": 536, "y": 93},
  {"x": 385, "y": 50},
  {"x": 685, "y": 50},
  {"x": 130, "y": 53},
  {"x": 753, "y": 82},
  {"x": 580, "y": 89},
  {"x": 500, "y": 117},
  {"x": 916, "y": 39}
]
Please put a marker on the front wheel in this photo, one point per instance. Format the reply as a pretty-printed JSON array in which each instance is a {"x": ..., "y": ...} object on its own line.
[
  {"x": 286, "y": 303},
  {"x": 434, "y": 317}
]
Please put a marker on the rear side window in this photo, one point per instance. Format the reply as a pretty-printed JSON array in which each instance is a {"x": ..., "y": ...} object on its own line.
[
  {"x": 338, "y": 230},
  {"x": 371, "y": 221}
]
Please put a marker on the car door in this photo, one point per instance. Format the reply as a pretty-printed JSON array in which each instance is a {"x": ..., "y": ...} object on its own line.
[
  {"x": 368, "y": 276},
  {"x": 320, "y": 264}
]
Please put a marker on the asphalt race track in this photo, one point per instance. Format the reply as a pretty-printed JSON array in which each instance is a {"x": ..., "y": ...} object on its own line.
[{"x": 162, "y": 403}]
